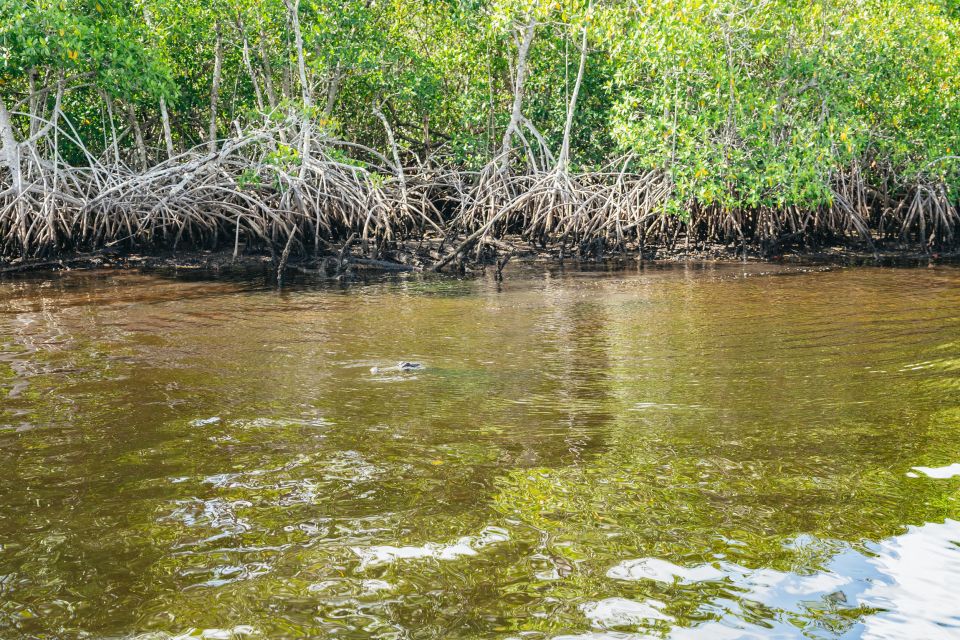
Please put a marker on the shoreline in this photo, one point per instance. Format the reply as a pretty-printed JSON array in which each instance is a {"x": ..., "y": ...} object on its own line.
[{"x": 342, "y": 263}]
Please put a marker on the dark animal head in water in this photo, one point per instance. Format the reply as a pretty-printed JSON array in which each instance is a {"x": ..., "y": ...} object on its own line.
[{"x": 400, "y": 366}]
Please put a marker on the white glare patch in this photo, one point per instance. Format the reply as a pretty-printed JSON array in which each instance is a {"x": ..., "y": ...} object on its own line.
[
  {"x": 940, "y": 473},
  {"x": 620, "y": 612},
  {"x": 915, "y": 589},
  {"x": 908, "y": 580},
  {"x": 466, "y": 546},
  {"x": 203, "y": 422},
  {"x": 372, "y": 586},
  {"x": 663, "y": 571},
  {"x": 602, "y": 635},
  {"x": 717, "y": 631},
  {"x": 239, "y": 631}
]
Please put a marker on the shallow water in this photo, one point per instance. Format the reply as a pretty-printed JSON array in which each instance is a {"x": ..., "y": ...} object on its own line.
[{"x": 674, "y": 452}]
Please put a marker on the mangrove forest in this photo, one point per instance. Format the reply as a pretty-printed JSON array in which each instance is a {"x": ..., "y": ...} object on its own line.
[
  {"x": 479, "y": 319},
  {"x": 431, "y": 133}
]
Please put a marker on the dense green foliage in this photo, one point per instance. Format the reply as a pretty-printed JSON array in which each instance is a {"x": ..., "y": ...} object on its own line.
[{"x": 742, "y": 103}]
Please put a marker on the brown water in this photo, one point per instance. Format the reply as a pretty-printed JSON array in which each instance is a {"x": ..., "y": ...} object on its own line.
[{"x": 686, "y": 452}]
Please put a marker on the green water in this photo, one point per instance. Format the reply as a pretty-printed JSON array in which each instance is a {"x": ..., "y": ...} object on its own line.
[{"x": 675, "y": 452}]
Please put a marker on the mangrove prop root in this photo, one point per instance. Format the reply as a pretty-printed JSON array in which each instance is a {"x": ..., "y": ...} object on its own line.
[{"x": 244, "y": 193}]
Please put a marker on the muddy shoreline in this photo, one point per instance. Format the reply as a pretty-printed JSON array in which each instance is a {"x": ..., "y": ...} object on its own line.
[{"x": 348, "y": 262}]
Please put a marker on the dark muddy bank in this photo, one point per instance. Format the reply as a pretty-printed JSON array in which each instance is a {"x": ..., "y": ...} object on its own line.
[{"x": 352, "y": 260}]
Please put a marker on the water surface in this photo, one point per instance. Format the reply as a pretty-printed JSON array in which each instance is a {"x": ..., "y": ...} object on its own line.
[{"x": 673, "y": 452}]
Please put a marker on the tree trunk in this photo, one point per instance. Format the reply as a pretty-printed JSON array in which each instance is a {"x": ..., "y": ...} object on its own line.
[
  {"x": 517, "y": 111},
  {"x": 426, "y": 134},
  {"x": 267, "y": 72},
  {"x": 137, "y": 136},
  {"x": 286, "y": 77},
  {"x": 167, "y": 133},
  {"x": 398, "y": 164},
  {"x": 333, "y": 88},
  {"x": 564, "y": 158},
  {"x": 293, "y": 7},
  {"x": 10, "y": 155},
  {"x": 10, "y": 149},
  {"x": 249, "y": 65},
  {"x": 491, "y": 116},
  {"x": 164, "y": 116},
  {"x": 34, "y": 102},
  {"x": 114, "y": 142},
  {"x": 215, "y": 90}
]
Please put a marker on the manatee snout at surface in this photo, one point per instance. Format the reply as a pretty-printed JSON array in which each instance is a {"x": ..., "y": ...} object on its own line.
[{"x": 400, "y": 366}]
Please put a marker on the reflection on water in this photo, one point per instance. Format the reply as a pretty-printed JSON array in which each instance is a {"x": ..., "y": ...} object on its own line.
[
  {"x": 906, "y": 583},
  {"x": 686, "y": 452}
]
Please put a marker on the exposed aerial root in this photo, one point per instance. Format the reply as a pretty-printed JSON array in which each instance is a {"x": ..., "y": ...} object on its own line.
[{"x": 254, "y": 193}]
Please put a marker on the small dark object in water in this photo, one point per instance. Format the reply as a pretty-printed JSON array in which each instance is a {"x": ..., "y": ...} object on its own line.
[{"x": 400, "y": 366}]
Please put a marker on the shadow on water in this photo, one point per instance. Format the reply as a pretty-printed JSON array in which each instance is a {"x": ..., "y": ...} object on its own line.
[{"x": 671, "y": 451}]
